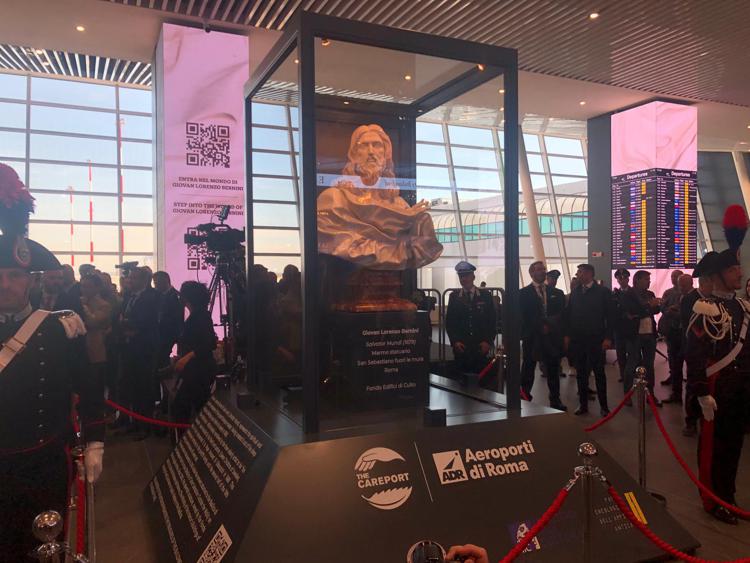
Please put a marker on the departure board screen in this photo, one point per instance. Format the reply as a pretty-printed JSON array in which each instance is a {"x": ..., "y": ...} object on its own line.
[
  {"x": 654, "y": 219},
  {"x": 654, "y": 187}
]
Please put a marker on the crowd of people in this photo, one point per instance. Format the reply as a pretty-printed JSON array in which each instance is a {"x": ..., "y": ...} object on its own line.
[
  {"x": 582, "y": 325},
  {"x": 138, "y": 339}
]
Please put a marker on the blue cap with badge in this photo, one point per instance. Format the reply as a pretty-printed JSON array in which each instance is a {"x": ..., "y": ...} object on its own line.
[{"x": 464, "y": 267}]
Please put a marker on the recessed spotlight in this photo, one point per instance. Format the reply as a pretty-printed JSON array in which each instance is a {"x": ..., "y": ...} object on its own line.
[
  {"x": 346, "y": 103},
  {"x": 80, "y": 28},
  {"x": 45, "y": 63},
  {"x": 296, "y": 61},
  {"x": 325, "y": 42},
  {"x": 39, "y": 51},
  {"x": 502, "y": 90},
  {"x": 748, "y": 126},
  {"x": 480, "y": 67},
  {"x": 593, "y": 15},
  {"x": 502, "y": 109},
  {"x": 408, "y": 77},
  {"x": 582, "y": 103}
]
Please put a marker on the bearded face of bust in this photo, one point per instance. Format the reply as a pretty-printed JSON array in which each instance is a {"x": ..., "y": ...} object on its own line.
[{"x": 370, "y": 157}]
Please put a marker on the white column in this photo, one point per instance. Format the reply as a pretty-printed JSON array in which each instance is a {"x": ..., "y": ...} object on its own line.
[{"x": 535, "y": 233}]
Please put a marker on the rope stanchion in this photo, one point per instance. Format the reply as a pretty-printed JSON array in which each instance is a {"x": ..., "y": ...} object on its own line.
[
  {"x": 487, "y": 368},
  {"x": 686, "y": 467},
  {"x": 614, "y": 412},
  {"x": 553, "y": 509},
  {"x": 656, "y": 540},
  {"x": 80, "y": 515},
  {"x": 146, "y": 419}
]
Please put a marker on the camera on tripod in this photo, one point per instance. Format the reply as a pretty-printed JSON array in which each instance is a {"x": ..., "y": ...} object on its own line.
[{"x": 217, "y": 237}]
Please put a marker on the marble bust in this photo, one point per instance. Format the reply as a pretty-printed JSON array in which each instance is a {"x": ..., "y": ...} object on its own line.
[{"x": 363, "y": 219}]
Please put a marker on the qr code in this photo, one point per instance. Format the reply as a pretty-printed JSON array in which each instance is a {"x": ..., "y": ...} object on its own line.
[
  {"x": 218, "y": 547},
  {"x": 207, "y": 144},
  {"x": 196, "y": 253}
]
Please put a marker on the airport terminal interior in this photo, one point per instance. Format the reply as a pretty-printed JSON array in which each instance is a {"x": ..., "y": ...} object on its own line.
[{"x": 383, "y": 280}]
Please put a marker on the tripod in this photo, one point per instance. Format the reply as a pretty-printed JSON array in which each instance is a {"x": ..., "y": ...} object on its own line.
[{"x": 224, "y": 289}]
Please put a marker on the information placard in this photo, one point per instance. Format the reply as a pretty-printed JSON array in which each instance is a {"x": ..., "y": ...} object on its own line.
[{"x": 204, "y": 494}]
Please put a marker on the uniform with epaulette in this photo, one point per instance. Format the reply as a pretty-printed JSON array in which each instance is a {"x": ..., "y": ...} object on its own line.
[
  {"x": 43, "y": 363},
  {"x": 718, "y": 361}
]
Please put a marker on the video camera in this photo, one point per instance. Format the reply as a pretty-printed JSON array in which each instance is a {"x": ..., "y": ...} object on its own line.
[
  {"x": 217, "y": 237},
  {"x": 127, "y": 267}
]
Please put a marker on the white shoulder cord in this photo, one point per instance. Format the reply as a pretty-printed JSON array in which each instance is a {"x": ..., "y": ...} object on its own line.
[{"x": 716, "y": 327}]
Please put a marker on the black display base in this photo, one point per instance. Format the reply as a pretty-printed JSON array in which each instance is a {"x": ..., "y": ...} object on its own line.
[{"x": 381, "y": 360}]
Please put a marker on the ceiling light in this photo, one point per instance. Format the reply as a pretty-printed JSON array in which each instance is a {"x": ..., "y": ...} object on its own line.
[
  {"x": 582, "y": 103},
  {"x": 480, "y": 67},
  {"x": 296, "y": 61},
  {"x": 502, "y": 90},
  {"x": 45, "y": 63},
  {"x": 325, "y": 42},
  {"x": 703, "y": 54},
  {"x": 502, "y": 109},
  {"x": 743, "y": 142},
  {"x": 408, "y": 77},
  {"x": 346, "y": 103},
  {"x": 80, "y": 28},
  {"x": 593, "y": 15},
  {"x": 39, "y": 51}
]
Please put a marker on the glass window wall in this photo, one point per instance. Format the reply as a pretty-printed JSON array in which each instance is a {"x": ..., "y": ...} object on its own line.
[{"x": 89, "y": 166}]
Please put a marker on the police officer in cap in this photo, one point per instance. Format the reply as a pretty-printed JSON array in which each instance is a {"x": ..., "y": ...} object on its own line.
[
  {"x": 718, "y": 360},
  {"x": 470, "y": 322},
  {"x": 42, "y": 364}
]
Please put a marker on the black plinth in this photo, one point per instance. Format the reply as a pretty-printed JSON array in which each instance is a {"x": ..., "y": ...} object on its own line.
[{"x": 382, "y": 358}]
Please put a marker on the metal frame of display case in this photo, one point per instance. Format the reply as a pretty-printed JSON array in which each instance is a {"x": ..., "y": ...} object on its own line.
[{"x": 300, "y": 34}]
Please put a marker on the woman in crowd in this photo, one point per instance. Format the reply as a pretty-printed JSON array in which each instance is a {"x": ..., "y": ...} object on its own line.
[
  {"x": 747, "y": 289},
  {"x": 97, "y": 315},
  {"x": 196, "y": 367}
]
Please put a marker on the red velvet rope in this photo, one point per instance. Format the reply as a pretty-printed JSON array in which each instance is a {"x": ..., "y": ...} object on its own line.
[
  {"x": 487, "y": 368},
  {"x": 81, "y": 514},
  {"x": 146, "y": 419},
  {"x": 686, "y": 467},
  {"x": 611, "y": 415},
  {"x": 656, "y": 540},
  {"x": 538, "y": 527}
]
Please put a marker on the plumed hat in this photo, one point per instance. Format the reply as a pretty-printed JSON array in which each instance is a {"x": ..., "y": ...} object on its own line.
[{"x": 16, "y": 204}]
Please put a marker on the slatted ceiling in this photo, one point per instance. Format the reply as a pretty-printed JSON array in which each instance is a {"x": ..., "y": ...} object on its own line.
[
  {"x": 640, "y": 44},
  {"x": 60, "y": 63}
]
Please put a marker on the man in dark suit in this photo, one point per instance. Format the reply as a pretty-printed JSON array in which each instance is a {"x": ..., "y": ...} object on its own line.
[
  {"x": 640, "y": 305},
  {"x": 588, "y": 330},
  {"x": 171, "y": 317},
  {"x": 470, "y": 322},
  {"x": 542, "y": 307},
  {"x": 53, "y": 296},
  {"x": 140, "y": 329}
]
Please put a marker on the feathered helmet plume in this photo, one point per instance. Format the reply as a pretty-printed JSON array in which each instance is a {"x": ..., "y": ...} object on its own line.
[{"x": 16, "y": 203}]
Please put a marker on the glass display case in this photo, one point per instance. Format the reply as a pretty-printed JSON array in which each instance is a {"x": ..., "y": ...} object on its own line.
[{"x": 356, "y": 199}]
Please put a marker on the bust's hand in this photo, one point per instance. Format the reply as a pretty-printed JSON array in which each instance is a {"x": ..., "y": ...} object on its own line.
[{"x": 421, "y": 206}]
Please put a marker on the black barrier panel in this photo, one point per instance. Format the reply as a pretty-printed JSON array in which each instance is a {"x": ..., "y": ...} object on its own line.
[
  {"x": 201, "y": 499},
  {"x": 369, "y": 499}
]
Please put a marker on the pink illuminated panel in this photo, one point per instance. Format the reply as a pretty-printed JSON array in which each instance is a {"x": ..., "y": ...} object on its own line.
[
  {"x": 200, "y": 87},
  {"x": 654, "y": 154}
]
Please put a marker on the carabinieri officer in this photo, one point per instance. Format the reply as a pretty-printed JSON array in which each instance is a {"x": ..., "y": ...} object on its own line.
[
  {"x": 42, "y": 364},
  {"x": 718, "y": 363},
  {"x": 470, "y": 322}
]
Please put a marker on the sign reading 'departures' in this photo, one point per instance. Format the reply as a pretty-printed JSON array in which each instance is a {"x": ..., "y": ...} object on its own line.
[
  {"x": 370, "y": 498},
  {"x": 201, "y": 498}
]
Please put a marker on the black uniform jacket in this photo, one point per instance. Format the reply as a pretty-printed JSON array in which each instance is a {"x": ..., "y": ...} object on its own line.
[
  {"x": 470, "y": 320},
  {"x": 535, "y": 317},
  {"x": 590, "y": 313},
  {"x": 36, "y": 390},
  {"x": 703, "y": 351}
]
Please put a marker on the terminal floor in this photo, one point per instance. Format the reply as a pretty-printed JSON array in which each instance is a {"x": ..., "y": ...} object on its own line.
[{"x": 122, "y": 530}]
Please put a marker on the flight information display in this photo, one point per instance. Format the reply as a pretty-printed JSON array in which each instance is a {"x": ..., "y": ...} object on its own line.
[
  {"x": 654, "y": 187},
  {"x": 654, "y": 219}
]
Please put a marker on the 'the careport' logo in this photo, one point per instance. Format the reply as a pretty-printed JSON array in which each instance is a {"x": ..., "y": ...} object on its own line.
[
  {"x": 382, "y": 479},
  {"x": 450, "y": 467}
]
